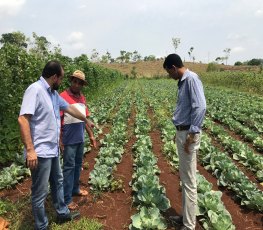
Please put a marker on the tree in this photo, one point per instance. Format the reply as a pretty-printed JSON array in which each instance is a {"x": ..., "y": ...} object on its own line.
[
  {"x": 136, "y": 56},
  {"x": 238, "y": 63},
  {"x": 127, "y": 57},
  {"x": 40, "y": 46},
  {"x": 227, "y": 53},
  {"x": 176, "y": 42},
  {"x": 149, "y": 58},
  {"x": 121, "y": 58},
  {"x": 255, "y": 61},
  {"x": 14, "y": 38},
  {"x": 106, "y": 58},
  {"x": 81, "y": 60},
  {"x": 94, "y": 56},
  {"x": 220, "y": 59},
  {"x": 190, "y": 54}
]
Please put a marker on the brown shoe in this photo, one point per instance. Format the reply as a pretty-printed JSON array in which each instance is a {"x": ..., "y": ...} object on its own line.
[{"x": 72, "y": 206}]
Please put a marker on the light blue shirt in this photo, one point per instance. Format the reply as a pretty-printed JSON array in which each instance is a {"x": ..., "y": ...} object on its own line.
[
  {"x": 191, "y": 103},
  {"x": 44, "y": 106}
]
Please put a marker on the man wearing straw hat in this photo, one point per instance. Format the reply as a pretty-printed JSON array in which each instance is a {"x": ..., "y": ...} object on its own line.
[{"x": 72, "y": 139}]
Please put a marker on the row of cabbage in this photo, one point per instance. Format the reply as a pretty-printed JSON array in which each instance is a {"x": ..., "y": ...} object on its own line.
[
  {"x": 242, "y": 113},
  {"x": 149, "y": 195},
  {"x": 102, "y": 110},
  {"x": 112, "y": 148},
  {"x": 211, "y": 210},
  {"x": 237, "y": 149},
  {"x": 229, "y": 175}
]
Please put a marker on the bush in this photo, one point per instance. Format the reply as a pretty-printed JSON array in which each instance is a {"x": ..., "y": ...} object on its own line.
[
  {"x": 238, "y": 63},
  {"x": 212, "y": 67}
]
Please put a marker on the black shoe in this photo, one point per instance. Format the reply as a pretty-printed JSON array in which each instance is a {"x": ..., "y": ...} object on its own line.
[
  {"x": 183, "y": 228},
  {"x": 68, "y": 217},
  {"x": 176, "y": 220}
]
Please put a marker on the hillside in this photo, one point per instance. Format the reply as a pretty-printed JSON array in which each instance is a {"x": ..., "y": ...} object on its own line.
[
  {"x": 155, "y": 68},
  {"x": 149, "y": 68}
]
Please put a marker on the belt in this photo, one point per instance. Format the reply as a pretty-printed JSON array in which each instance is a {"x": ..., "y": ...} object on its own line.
[{"x": 182, "y": 127}]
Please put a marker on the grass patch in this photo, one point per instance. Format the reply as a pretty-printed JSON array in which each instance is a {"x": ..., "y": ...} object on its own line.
[
  {"x": 20, "y": 216},
  {"x": 82, "y": 224},
  {"x": 6, "y": 206}
]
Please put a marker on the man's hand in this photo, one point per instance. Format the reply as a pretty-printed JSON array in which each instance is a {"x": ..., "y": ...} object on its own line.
[
  {"x": 31, "y": 159},
  {"x": 61, "y": 146},
  {"x": 190, "y": 139},
  {"x": 93, "y": 142},
  {"x": 91, "y": 124}
]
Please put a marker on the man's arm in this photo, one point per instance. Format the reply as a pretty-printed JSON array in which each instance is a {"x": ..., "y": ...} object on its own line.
[
  {"x": 25, "y": 133},
  {"x": 73, "y": 111},
  {"x": 91, "y": 136}
]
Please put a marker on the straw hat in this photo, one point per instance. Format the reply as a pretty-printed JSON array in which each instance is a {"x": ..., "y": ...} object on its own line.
[{"x": 80, "y": 75}]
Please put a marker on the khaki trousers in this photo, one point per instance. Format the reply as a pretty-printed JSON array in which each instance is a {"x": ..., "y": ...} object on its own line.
[{"x": 187, "y": 170}]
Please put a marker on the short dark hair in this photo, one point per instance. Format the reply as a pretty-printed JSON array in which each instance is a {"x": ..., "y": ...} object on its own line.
[
  {"x": 173, "y": 59},
  {"x": 52, "y": 68}
]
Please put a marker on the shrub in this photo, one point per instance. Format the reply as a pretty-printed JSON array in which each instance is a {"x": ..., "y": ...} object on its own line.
[{"x": 212, "y": 67}]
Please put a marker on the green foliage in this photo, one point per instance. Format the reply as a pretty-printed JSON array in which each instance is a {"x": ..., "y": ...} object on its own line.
[
  {"x": 83, "y": 223},
  {"x": 252, "y": 62},
  {"x": 148, "y": 218},
  {"x": 255, "y": 61},
  {"x": 10, "y": 176},
  {"x": 19, "y": 68},
  {"x": 212, "y": 67},
  {"x": 244, "y": 81},
  {"x": 5, "y": 207},
  {"x": 133, "y": 72},
  {"x": 116, "y": 184},
  {"x": 238, "y": 63},
  {"x": 16, "y": 38}
]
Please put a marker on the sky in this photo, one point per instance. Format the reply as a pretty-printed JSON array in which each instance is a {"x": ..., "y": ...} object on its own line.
[{"x": 147, "y": 26}]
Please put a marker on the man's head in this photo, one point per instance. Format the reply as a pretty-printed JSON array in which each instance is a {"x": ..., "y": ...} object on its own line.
[
  {"x": 77, "y": 81},
  {"x": 54, "y": 73},
  {"x": 173, "y": 65}
]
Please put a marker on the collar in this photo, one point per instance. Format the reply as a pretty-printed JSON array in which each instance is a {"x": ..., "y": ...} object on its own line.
[
  {"x": 45, "y": 84},
  {"x": 184, "y": 75},
  {"x": 180, "y": 82},
  {"x": 72, "y": 94}
]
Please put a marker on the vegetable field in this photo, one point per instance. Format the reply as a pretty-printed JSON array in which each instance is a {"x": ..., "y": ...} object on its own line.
[{"x": 133, "y": 178}]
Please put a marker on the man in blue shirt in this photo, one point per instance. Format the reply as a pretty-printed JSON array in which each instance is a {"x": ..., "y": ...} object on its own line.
[
  {"x": 39, "y": 122},
  {"x": 187, "y": 118}
]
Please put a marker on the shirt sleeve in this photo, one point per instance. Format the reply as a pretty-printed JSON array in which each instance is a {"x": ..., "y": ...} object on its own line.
[
  {"x": 63, "y": 105},
  {"x": 30, "y": 100},
  {"x": 198, "y": 105}
]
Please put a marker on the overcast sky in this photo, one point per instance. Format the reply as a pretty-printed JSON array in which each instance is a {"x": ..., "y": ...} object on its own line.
[{"x": 148, "y": 26}]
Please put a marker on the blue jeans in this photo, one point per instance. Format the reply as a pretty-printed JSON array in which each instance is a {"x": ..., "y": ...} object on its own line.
[
  {"x": 72, "y": 163},
  {"x": 48, "y": 170}
]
